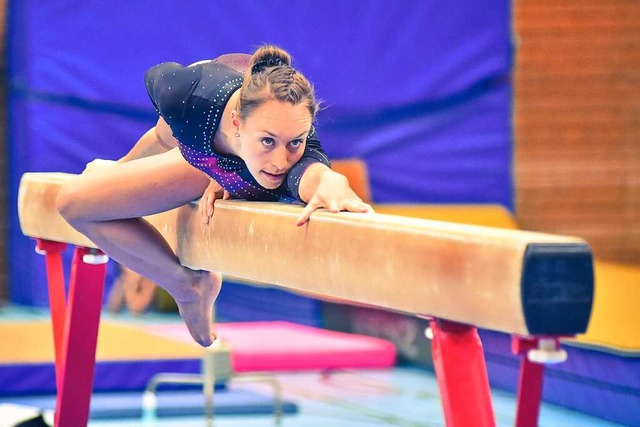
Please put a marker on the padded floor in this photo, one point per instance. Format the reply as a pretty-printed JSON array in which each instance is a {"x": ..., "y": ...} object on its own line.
[
  {"x": 398, "y": 396},
  {"x": 404, "y": 396}
]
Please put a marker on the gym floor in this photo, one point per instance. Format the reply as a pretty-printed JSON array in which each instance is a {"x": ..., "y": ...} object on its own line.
[{"x": 402, "y": 396}]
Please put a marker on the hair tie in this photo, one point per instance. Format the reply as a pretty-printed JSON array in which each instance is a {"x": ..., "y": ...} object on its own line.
[{"x": 271, "y": 61}]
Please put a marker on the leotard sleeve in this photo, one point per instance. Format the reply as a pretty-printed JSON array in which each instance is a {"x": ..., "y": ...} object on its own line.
[{"x": 313, "y": 153}]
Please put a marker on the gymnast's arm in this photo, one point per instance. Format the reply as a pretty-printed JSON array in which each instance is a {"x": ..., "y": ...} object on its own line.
[
  {"x": 319, "y": 186},
  {"x": 156, "y": 140},
  {"x": 159, "y": 139}
]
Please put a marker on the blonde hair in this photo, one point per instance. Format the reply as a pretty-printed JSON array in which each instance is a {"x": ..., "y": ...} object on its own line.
[{"x": 270, "y": 76}]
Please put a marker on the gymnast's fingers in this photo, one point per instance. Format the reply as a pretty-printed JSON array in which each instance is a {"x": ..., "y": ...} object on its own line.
[
  {"x": 306, "y": 213},
  {"x": 204, "y": 202},
  {"x": 334, "y": 206},
  {"x": 357, "y": 206},
  {"x": 210, "y": 201}
]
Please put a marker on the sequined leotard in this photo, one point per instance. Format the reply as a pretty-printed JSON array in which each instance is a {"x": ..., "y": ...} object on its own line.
[{"x": 191, "y": 100}]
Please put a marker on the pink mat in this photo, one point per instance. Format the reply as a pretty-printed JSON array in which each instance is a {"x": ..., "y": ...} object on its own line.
[{"x": 284, "y": 346}]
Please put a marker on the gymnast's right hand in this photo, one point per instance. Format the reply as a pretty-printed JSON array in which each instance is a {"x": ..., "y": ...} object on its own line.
[
  {"x": 213, "y": 192},
  {"x": 332, "y": 192},
  {"x": 97, "y": 164}
]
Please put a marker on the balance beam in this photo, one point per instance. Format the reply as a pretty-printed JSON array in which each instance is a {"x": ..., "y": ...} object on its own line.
[
  {"x": 505, "y": 280},
  {"x": 522, "y": 283}
]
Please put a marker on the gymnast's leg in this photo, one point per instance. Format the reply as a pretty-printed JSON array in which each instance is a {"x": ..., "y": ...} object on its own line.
[{"x": 107, "y": 205}]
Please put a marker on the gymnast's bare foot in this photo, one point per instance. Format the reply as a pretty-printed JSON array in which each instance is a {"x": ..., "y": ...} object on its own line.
[{"x": 196, "y": 306}]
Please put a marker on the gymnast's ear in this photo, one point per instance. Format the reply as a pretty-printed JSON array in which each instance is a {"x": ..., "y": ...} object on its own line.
[{"x": 235, "y": 119}]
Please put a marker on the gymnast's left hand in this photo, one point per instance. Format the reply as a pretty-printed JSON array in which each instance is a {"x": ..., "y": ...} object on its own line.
[
  {"x": 98, "y": 164},
  {"x": 213, "y": 192},
  {"x": 333, "y": 193}
]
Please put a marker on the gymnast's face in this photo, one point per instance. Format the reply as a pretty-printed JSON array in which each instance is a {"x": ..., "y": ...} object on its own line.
[{"x": 272, "y": 140}]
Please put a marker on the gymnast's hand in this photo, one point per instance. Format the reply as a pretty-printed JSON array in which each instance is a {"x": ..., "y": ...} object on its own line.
[
  {"x": 212, "y": 193},
  {"x": 333, "y": 193},
  {"x": 97, "y": 164}
]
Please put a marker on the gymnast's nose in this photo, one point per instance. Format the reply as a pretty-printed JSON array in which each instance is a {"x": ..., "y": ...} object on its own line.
[{"x": 280, "y": 159}]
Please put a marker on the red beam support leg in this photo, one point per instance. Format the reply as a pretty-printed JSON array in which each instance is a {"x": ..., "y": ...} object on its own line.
[
  {"x": 57, "y": 300},
  {"x": 529, "y": 384},
  {"x": 462, "y": 375},
  {"x": 80, "y": 338}
]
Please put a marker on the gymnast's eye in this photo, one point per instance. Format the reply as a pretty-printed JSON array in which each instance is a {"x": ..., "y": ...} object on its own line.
[
  {"x": 295, "y": 144},
  {"x": 268, "y": 142}
]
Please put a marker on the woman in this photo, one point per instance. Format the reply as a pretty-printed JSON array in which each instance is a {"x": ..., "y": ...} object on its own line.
[{"x": 252, "y": 137}]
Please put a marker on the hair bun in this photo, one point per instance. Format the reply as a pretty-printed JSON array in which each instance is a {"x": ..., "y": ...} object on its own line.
[
  {"x": 266, "y": 56},
  {"x": 268, "y": 62}
]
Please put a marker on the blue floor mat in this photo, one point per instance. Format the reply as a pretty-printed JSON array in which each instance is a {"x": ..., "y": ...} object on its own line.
[{"x": 170, "y": 403}]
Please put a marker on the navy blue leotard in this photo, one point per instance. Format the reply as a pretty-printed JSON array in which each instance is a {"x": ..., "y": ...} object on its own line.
[{"x": 191, "y": 100}]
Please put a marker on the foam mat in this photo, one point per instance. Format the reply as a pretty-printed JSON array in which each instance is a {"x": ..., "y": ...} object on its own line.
[
  {"x": 285, "y": 346},
  {"x": 32, "y": 342},
  {"x": 615, "y": 317},
  {"x": 129, "y": 355}
]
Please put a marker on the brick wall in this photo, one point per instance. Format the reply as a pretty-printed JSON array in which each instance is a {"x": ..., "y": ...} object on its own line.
[{"x": 577, "y": 121}]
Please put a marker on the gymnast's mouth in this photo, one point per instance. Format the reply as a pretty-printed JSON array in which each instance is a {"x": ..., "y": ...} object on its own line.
[{"x": 275, "y": 177}]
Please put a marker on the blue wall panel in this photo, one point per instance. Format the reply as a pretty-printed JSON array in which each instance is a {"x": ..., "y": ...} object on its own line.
[{"x": 420, "y": 89}]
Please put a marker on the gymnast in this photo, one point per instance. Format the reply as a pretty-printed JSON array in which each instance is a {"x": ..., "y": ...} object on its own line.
[{"x": 249, "y": 137}]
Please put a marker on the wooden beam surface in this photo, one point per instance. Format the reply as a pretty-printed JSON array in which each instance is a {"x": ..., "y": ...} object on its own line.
[{"x": 506, "y": 280}]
